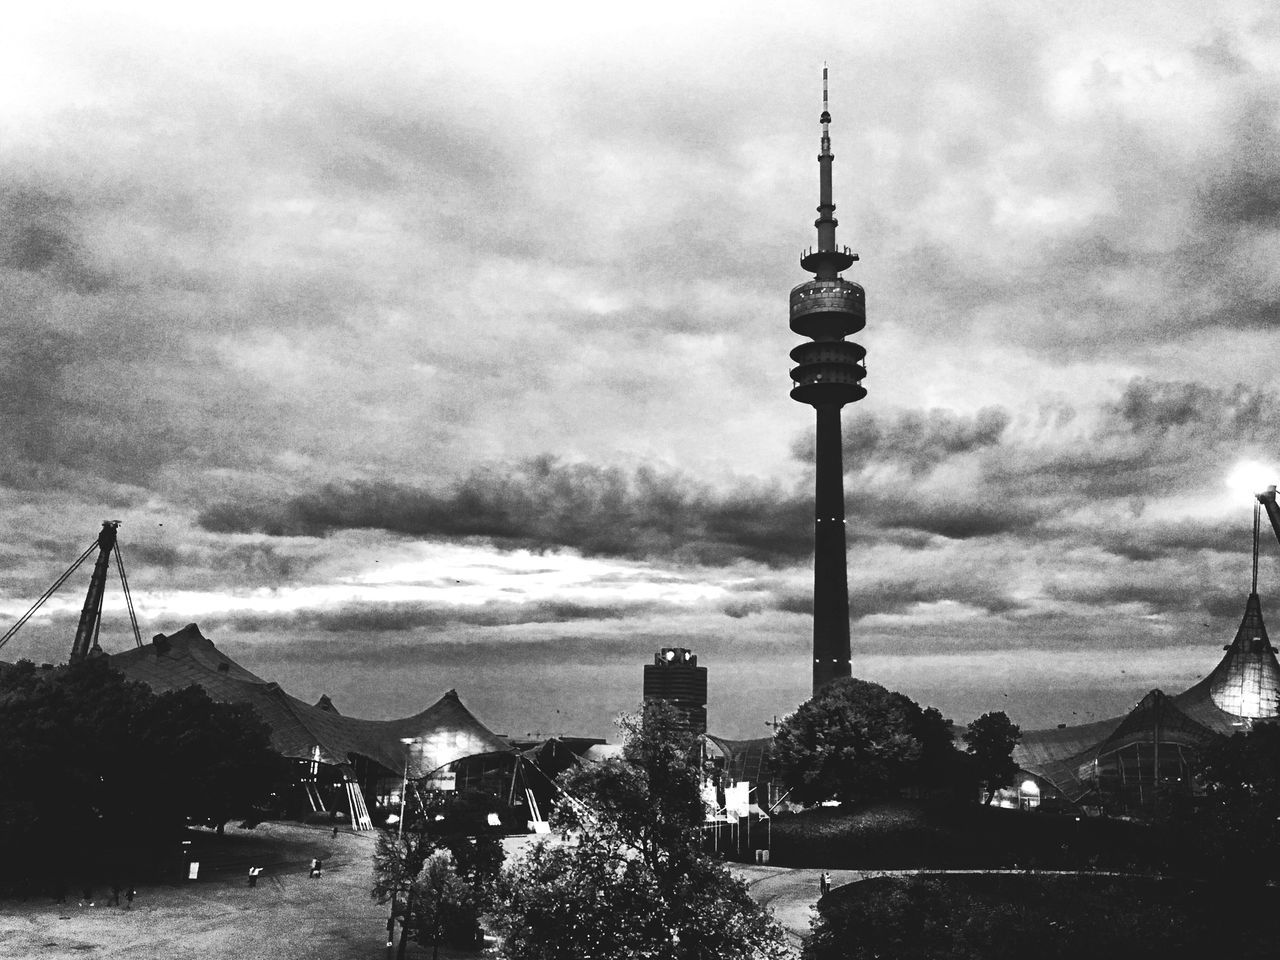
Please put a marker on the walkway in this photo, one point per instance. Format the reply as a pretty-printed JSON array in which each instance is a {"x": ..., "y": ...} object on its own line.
[{"x": 792, "y": 892}]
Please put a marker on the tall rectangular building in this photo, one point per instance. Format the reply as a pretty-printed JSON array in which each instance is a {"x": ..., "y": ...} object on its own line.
[{"x": 674, "y": 676}]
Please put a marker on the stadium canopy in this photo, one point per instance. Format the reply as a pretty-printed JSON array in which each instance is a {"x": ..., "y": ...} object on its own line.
[
  {"x": 444, "y": 732},
  {"x": 1126, "y": 757}
]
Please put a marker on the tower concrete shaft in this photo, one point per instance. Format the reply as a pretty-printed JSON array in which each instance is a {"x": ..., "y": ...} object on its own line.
[{"x": 828, "y": 374}]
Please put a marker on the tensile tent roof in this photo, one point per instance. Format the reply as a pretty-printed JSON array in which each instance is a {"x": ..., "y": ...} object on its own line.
[
  {"x": 442, "y": 733},
  {"x": 1242, "y": 689}
]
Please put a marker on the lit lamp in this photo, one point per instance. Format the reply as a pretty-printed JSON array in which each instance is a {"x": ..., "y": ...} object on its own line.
[{"x": 1250, "y": 478}]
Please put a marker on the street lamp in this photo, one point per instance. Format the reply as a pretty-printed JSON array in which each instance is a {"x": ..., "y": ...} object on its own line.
[
  {"x": 404, "y": 791},
  {"x": 404, "y": 784}
]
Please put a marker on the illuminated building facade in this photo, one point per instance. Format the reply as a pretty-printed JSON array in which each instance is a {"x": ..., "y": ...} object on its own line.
[{"x": 1119, "y": 765}]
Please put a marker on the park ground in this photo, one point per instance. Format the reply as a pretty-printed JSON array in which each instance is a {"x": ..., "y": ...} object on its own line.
[{"x": 289, "y": 915}]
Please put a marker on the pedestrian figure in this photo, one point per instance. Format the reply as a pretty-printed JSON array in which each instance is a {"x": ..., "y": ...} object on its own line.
[
  {"x": 319, "y": 868},
  {"x": 115, "y": 895},
  {"x": 253, "y": 875},
  {"x": 315, "y": 866},
  {"x": 335, "y": 831},
  {"x": 824, "y": 883},
  {"x": 129, "y": 894}
]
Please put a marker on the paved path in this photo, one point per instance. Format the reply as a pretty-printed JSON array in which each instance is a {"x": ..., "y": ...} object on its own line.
[{"x": 791, "y": 893}]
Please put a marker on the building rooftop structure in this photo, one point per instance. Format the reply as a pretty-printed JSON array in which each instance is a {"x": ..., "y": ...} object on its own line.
[
  {"x": 442, "y": 733},
  {"x": 1117, "y": 763}
]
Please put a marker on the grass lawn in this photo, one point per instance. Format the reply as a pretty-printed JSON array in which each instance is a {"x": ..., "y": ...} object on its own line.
[
  {"x": 1046, "y": 917},
  {"x": 908, "y": 834}
]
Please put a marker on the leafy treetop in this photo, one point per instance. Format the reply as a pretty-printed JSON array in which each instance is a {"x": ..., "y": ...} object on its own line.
[
  {"x": 991, "y": 739},
  {"x": 634, "y": 886},
  {"x": 855, "y": 740}
]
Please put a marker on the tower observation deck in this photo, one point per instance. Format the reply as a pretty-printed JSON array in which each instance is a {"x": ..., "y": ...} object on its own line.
[{"x": 828, "y": 374}]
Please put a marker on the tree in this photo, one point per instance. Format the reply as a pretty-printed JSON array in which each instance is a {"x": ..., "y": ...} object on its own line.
[
  {"x": 1238, "y": 824},
  {"x": 437, "y": 896},
  {"x": 1049, "y": 918},
  {"x": 635, "y": 885},
  {"x": 216, "y": 756},
  {"x": 100, "y": 770},
  {"x": 991, "y": 739},
  {"x": 941, "y": 767},
  {"x": 651, "y": 799},
  {"x": 855, "y": 740},
  {"x": 453, "y": 830},
  {"x": 1244, "y": 769}
]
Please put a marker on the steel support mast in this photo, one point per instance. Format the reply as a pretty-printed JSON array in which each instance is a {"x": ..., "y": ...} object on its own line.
[{"x": 86, "y": 641}]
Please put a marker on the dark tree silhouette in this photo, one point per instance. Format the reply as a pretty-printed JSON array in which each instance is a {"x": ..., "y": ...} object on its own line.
[
  {"x": 99, "y": 770},
  {"x": 991, "y": 739},
  {"x": 1238, "y": 823},
  {"x": 855, "y": 740},
  {"x": 1050, "y": 918}
]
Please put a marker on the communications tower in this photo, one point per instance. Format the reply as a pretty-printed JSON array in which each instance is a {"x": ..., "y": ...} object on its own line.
[{"x": 828, "y": 374}]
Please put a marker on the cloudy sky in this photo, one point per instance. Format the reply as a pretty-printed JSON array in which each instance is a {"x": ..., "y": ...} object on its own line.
[{"x": 422, "y": 348}]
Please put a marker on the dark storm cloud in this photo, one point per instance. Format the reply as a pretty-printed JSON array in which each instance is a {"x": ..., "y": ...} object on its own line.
[
  {"x": 1154, "y": 408},
  {"x": 398, "y": 617},
  {"x": 1241, "y": 189},
  {"x": 438, "y": 651},
  {"x": 546, "y": 504},
  {"x": 1250, "y": 198},
  {"x": 920, "y": 442},
  {"x": 915, "y": 440},
  {"x": 1159, "y": 437},
  {"x": 1171, "y": 598},
  {"x": 1049, "y": 471},
  {"x": 39, "y": 234},
  {"x": 97, "y": 386},
  {"x": 42, "y": 264},
  {"x": 1152, "y": 540},
  {"x": 1223, "y": 604},
  {"x": 868, "y": 598},
  {"x": 956, "y": 519},
  {"x": 30, "y": 392},
  {"x": 223, "y": 564},
  {"x": 1140, "y": 441}
]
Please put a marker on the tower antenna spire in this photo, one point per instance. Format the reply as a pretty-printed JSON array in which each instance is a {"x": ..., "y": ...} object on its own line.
[{"x": 829, "y": 259}]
